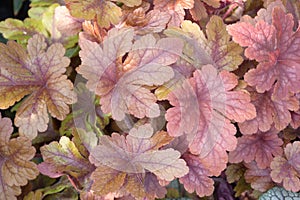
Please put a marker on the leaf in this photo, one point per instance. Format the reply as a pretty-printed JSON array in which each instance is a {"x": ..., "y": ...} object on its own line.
[
  {"x": 105, "y": 12},
  {"x": 279, "y": 193},
  {"x": 66, "y": 24},
  {"x": 275, "y": 47},
  {"x": 198, "y": 12},
  {"x": 286, "y": 169},
  {"x": 175, "y": 9},
  {"x": 123, "y": 86},
  {"x": 216, "y": 49},
  {"x": 241, "y": 187},
  {"x": 41, "y": 21},
  {"x": 295, "y": 123},
  {"x": 51, "y": 23},
  {"x": 260, "y": 147},
  {"x": 269, "y": 112},
  {"x": 234, "y": 172},
  {"x": 198, "y": 177},
  {"x": 17, "y": 6},
  {"x": 41, "y": 3},
  {"x": 150, "y": 22},
  {"x": 258, "y": 178},
  {"x": 63, "y": 157},
  {"x": 37, "y": 73},
  {"x": 208, "y": 128},
  {"x": 14, "y": 29},
  {"x": 133, "y": 156},
  {"x": 107, "y": 180},
  {"x": 16, "y": 167},
  {"x": 140, "y": 186}
]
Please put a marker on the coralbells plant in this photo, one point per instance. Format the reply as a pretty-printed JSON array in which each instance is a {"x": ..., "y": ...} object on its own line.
[{"x": 151, "y": 99}]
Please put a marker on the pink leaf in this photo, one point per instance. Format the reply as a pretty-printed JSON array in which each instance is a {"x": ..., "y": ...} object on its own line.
[
  {"x": 175, "y": 9},
  {"x": 276, "y": 47},
  {"x": 208, "y": 129},
  {"x": 269, "y": 111},
  {"x": 286, "y": 169},
  {"x": 123, "y": 86},
  {"x": 260, "y": 147},
  {"x": 259, "y": 179},
  {"x": 197, "y": 179},
  {"x": 67, "y": 24}
]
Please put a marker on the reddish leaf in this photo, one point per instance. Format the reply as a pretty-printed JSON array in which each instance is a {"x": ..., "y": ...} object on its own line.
[
  {"x": 259, "y": 179},
  {"x": 269, "y": 111},
  {"x": 175, "y": 8},
  {"x": 37, "y": 73},
  {"x": 260, "y": 147},
  {"x": 276, "y": 47},
  {"x": 198, "y": 177},
  {"x": 208, "y": 128},
  {"x": 286, "y": 169},
  {"x": 122, "y": 87},
  {"x": 295, "y": 123},
  {"x": 16, "y": 168}
]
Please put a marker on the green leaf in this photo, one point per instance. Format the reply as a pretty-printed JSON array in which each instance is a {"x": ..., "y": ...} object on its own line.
[
  {"x": 17, "y": 6},
  {"x": 241, "y": 187}
]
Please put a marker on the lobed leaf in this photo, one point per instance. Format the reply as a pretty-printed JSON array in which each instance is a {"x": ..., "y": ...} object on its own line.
[
  {"x": 63, "y": 157},
  {"x": 15, "y": 164},
  {"x": 37, "y": 73},
  {"x": 285, "y": 169},
  {"x": 234, "y": 172},
  {"x": 67, "y": 24},
  {"x": 105, "y": 12},
  {"x": 123, "y": 86},
  {"x": 198, "y": 177},
  {"x": 260, "y": 147},
  {"x": 133, "y": 158},
  {"x": 175, "y": 9},
  {"x": 208, "y": 129},
  {"x": 276, "y": 47},
  {"x": 144, "y": 23},
  {"x": 259, "y": 179},
  {"x": 269, "y": 112},
  {"x": 216, "y": 49}
]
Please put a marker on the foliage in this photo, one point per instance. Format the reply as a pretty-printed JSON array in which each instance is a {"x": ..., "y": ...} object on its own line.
[{"x": 138, "y": 99}]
